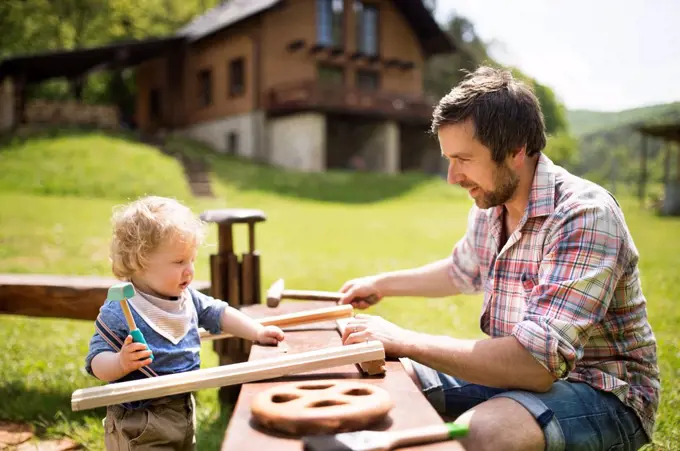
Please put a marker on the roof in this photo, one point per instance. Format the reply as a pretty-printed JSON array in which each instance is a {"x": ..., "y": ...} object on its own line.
[
  {"x": 70, "y": 63},
  {"x": 668, "y": 132},
  {"x": 223, "y": 15},
  {"x": 432, "y": 38}
]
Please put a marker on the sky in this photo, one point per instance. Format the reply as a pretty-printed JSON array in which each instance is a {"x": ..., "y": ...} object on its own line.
[{"x": 605, "y": 55}]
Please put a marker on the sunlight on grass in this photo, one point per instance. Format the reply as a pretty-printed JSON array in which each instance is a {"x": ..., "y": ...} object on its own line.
[{"x": 320, "y": 231}]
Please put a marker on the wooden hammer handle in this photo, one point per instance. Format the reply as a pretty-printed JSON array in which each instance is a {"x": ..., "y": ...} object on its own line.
[
  {"x": 295, "y": 319},
  {"x": 311, "y": 295}
]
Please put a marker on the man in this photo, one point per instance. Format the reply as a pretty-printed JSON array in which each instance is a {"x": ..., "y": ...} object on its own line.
[{"x": 570, "y": 362}]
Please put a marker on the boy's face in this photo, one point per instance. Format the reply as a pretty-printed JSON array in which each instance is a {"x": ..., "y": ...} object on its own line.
[{"x": 170, "y": 269}]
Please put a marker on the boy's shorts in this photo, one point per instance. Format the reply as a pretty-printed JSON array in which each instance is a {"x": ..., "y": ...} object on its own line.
[
  {"x": 168, "y": 423},
  {"x": 572, "y": 415}
]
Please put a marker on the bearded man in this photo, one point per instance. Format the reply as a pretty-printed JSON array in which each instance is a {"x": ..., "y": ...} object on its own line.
[{"x": 570, "y": 361}]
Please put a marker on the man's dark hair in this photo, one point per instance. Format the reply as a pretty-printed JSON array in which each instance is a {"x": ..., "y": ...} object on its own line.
[{"x": 505, "y": 112}]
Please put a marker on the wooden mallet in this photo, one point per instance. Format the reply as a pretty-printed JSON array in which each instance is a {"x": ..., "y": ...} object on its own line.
[
  {"x": 277, "y": 292},
  {"x": 122, "y": 292}
]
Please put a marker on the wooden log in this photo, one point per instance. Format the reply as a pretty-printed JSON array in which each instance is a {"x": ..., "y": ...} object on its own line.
[
  {"x": 57, "y": 296},
  {"x": 293, "y": 319},
  {"x": 238, "y": 373},
  {"x": 371, "y": 368}
]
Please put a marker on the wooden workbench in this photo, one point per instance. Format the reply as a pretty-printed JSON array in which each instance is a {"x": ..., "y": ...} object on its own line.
[{"x": 411, "y": 408}]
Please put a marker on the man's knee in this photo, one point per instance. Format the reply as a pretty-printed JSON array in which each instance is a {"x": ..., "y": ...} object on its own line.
[{"x": 501, "y": 423}]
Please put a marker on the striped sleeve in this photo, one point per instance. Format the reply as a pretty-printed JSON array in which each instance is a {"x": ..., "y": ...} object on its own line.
[
  {"x": 109, "y": 335},
  {"x": 575, "y": 284}
]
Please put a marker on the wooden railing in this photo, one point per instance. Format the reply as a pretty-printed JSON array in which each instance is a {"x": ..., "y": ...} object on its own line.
[{"x": 313, "y": 96}]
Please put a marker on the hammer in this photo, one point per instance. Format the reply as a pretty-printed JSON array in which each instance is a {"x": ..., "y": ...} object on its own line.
[
  {"x": 122, "y": 292},
  {"x": 277, "y": 292}
]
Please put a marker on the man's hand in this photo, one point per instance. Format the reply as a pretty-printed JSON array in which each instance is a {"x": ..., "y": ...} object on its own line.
[
  {"x": 133, "y": 356},
  {"x": 269, "y": 335},
  {"x": 366, "y": 327},
  {"x": 362, "y": 288}
]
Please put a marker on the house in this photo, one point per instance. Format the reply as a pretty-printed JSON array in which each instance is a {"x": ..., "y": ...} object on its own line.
[{"x": 302, "y": 84}]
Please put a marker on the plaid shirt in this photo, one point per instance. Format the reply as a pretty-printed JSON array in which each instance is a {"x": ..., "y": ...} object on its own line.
[{"x": 566, "y": 285}]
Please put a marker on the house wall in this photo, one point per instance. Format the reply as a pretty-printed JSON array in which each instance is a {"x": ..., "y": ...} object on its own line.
[
  {"x": 298, "y": 142},
  {"x": 297, "y": 20},
  {"x": 249, "y": 129},
  {"x": 420, "y": 151}
]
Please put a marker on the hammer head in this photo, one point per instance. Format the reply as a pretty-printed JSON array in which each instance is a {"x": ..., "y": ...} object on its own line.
[
  {"x": 121, "y": 291},
  {"x": 274, "y": 294}
]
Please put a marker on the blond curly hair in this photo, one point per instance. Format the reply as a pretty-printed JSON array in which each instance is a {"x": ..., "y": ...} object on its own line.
[{"x": 142, "y": 226}]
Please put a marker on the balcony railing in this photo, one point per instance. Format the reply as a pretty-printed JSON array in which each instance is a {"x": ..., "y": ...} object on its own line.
[{"x": 313, "y": 96}]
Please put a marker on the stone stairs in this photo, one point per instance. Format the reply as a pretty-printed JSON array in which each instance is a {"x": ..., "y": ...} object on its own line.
[{"x": 196, "y": 169}]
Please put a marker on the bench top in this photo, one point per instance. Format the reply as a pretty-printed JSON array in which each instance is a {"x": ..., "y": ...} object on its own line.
[{"x": 411, "y": 409}]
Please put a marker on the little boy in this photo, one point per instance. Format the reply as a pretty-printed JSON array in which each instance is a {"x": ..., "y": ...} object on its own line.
[{"x": 154, "y": 246}]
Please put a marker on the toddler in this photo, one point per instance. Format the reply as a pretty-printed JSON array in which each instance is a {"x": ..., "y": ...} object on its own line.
[{"x": 154, "y": 246}]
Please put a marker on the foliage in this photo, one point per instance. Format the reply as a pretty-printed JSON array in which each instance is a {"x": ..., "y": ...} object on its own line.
[
  {"x": 562, "y": 149},
  {"x": 69, "y": 235},
  {"x": 443, "y": 72},
  {"x": 586, "y": 122}
]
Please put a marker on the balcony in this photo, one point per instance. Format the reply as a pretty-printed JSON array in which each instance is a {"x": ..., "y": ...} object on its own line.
[{"x": 313, "y": 96}]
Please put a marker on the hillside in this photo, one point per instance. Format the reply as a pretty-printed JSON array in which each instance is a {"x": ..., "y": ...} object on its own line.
[{"x": 584, "y": 122}]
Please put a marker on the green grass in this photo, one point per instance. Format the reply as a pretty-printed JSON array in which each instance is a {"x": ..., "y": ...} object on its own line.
[{"x": 320, "y": 231}]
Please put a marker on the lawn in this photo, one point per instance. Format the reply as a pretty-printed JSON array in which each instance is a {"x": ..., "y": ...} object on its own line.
[{"x": 57, "y": 194}]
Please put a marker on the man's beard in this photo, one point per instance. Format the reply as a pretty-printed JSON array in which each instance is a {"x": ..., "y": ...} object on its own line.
[{"x": 505, "y": 181}]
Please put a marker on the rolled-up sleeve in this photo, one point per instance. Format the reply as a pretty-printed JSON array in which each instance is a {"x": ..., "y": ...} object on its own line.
[
  {"x": 464, "y": 270},
  {"x": 575, "y": 284}
]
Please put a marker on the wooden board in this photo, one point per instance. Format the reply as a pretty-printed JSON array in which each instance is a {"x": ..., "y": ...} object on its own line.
[
  {"x": 57, "y": 296},
  {"x": 411, "y": 408},
  {"x": 222, "y": 376}
]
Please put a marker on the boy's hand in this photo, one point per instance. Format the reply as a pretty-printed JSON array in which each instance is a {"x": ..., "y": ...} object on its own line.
[
  {"x": 269, "y": 335},
  {"x": 133, "y": 356}
]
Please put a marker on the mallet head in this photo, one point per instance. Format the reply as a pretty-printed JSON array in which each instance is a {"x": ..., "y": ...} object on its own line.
[
  {"x": 121, "y": 291},
  {"x": 274, "y": 294}
]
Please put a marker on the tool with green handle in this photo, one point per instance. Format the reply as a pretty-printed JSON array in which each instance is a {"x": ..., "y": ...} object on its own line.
[
  {"x": 383, "y": 441},
  {"x": 122, "y": 292}
]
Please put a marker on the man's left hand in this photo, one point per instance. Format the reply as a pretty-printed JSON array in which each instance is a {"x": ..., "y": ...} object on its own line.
[{"x": 364, "y": 328}]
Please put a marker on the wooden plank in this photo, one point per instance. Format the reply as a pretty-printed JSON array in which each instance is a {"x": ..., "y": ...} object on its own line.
[
  {"x": 411, "y": 407},
  {"x": 293, "y": 319},
  {"x": 58, "y": 296},
  {"x": 221, "y": 376}
]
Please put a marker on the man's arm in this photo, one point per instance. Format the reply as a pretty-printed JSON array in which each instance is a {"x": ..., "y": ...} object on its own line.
[
  {"x": 431, "y": 280},
  {"x": 499, "y": 362},
  {"x": 457, "y": 273}
]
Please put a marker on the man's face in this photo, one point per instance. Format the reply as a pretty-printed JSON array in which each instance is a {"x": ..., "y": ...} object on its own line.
[{"x": 488, "y": 183}]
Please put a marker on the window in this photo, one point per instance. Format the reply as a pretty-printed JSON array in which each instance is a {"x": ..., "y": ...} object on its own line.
[
  {"x": 368, "y": 80},
  {"x": 237, "y": 79},
  {"x": 329, "y": 22},
  {"x": 155, "y": 104},
  {"x": 367, "y": 28},
  {"x": 331, "y": 75},
  {"x": 232, "y": 143},
  {"x": 205, "y": 87}
]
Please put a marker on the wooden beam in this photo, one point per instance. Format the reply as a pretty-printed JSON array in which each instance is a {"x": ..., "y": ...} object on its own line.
[
  {"x": 237, "y": 373},
  {"x": 293, "y": 319},
  {"x": 643, "y": 170},
  {"x": 57, "y": 296},
  {"x": 370, "y": 368}
]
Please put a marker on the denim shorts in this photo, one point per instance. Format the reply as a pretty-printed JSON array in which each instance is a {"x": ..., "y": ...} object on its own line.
[{"x": 572, "y": 415}]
